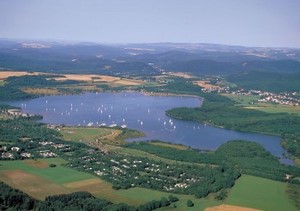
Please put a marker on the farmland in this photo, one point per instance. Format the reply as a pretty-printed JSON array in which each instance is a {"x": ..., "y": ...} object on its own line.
[
  {"x": 260, "y": 193},
  {"x": 22, "y": 84},
  {"x": 37, "y": 179}
]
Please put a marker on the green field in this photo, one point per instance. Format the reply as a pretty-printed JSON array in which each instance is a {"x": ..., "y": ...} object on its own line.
[
  {"x": 297, "y": 162},
  {"x": 140, "y": 153},
  {"x": 260, "y": 193},
  {"x": 59, "y": 174},
  {"x": 250, "y": 102},
  {"x": 276, "y": 108},
  {"x": 85, "y": 133},
  {"x": 242, "y": 100},
  {"x": 61, "y": 180}
]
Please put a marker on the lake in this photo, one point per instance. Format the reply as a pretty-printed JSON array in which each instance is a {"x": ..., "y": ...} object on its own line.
[{"x": 141, "y": 112}]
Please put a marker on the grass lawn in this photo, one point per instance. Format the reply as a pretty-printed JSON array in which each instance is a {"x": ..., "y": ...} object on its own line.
[
  {"x": 59, "y": 174},
  {"x": 2, "y": 83},
  {"x": 260, "y": 193},
  {"x": 276, "y": 108},
  {"x": 6, "y": 142},
  {"x": 85, "y": 133},
  {"x": 297, "y": 162},
  {"x": 242, "y": 100}
]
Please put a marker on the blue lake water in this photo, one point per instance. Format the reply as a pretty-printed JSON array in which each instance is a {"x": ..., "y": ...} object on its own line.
[{"x": 140, "y": 112}]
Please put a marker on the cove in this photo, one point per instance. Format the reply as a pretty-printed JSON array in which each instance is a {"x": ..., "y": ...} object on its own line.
[{"x": 144, "y": 113}]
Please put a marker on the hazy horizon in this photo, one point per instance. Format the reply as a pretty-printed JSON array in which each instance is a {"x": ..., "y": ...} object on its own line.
[{"x": 250, "y": 23}]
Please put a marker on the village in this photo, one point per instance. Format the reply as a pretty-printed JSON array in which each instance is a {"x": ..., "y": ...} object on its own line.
[{"x": 284, "y": 98}]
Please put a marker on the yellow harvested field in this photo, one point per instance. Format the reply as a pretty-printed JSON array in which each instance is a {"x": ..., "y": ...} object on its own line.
[
  {"x": 35, "y": 186},
  {"x": 225, "y": 207},
  {"x": 182, "y": 75},
  {"x": 90, "y": 185},
  {"x": 205, "y": 84},
  {"x": 41, "y": 91},
  {"x": 75, "y": 77},
  {"x": 6, "y": 74},
  {"x": 99, "y": 78},
  {"x": 36, "y": 163}
]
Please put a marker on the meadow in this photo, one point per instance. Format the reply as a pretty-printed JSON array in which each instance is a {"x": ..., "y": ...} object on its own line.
[
  {"x": 250, "y": 102},
  {"x": 37, "y": 179},
  {"x": 275, "y": 108},
  {"x": 87, "y": 134},
  {"x": 260, "y": 193}
]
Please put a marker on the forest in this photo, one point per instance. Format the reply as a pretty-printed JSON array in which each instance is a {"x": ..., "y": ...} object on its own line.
[
  {"x": 248, "y": 157},
  {"x": 220, "y": 111},
  {"x": 267, "y": 81}
]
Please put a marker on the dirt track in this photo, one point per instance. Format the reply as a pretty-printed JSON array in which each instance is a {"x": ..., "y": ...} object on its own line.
[{"x": 225, "y": 207}]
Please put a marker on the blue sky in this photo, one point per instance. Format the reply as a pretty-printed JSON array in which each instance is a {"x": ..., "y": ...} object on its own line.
[{"x": 274, "y": 23}]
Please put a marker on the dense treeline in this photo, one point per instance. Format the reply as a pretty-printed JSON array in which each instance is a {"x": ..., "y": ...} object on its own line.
[
  {"x": 212, "y": 67},
  {"x": 79, "y": 201},
  {"x": 58, "y": 59},
  {"x": 267, "y": 81},
  {"x": 189, "y": 155},
  {"x": 249, "y": 157},
  {"x": 14, "y": 199},
  {"x": 291, "y": 142},
  {"x": 12, "y": 130},
  {"x": 220, "y": 111}
]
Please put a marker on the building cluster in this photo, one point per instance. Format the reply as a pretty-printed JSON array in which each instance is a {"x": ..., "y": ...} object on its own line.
[
  {"x": 284, "y": 98},
  {"x": 57, "y": 146},
  {"x": 17, "y": 113},
  {"x": 12, "y": 151},
  {"x": 45, "y": 149},
  {"x": 216, "y": 89},
  {"x": 120, "y": 169}
]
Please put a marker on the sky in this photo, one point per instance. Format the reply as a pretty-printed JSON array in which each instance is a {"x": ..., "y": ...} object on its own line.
[{"x": 263, "y": 23}]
